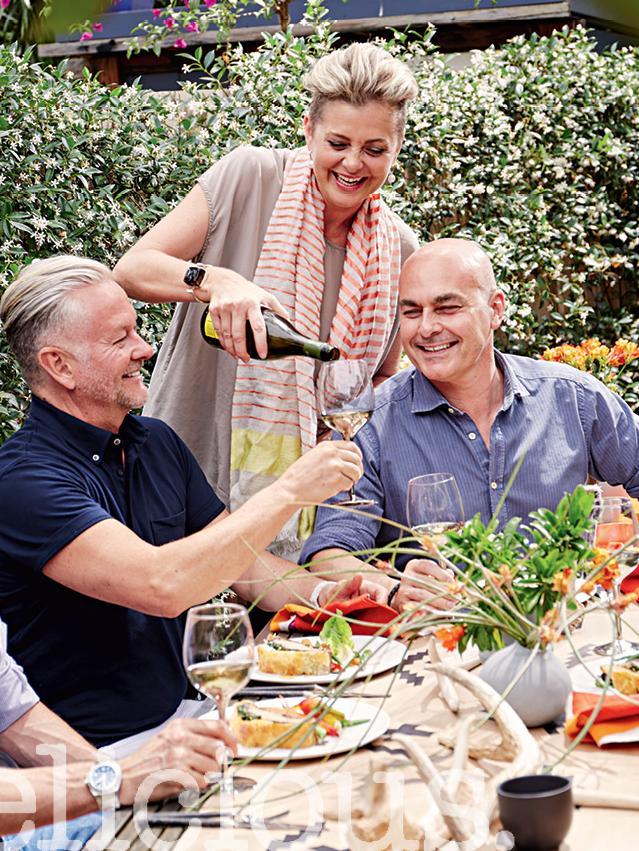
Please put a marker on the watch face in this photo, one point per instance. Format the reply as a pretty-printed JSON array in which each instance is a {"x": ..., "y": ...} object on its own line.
[
  {"x": 105, "y": 779},
  {"x": 194, "y": 275}
]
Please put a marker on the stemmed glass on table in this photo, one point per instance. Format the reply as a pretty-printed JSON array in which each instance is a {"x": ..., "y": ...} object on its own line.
[
  {"x": 219, "y": 654},
  {"x": 346, "y": 400},
  {"x": 615, "y": 525},
  {"x": 434, "y": 506}
]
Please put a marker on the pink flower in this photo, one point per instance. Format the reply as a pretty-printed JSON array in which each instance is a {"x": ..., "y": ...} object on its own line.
[
  {"x": 157, "y": 13},
  {"x": 179, "y": 42},
  {"x": 168, "y": 22},
  {"x": 192, "y": 27},
  {"x": 98, "y": 27},
  {"x": 186, "y": 3},
  {"x": 209, "y": 3},
  {"x": 86, "y": 36},
  {"x": 5, "y": 3}
]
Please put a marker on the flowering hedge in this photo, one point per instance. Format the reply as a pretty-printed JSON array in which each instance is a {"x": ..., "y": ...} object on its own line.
[{"x": 531, "y": 150}]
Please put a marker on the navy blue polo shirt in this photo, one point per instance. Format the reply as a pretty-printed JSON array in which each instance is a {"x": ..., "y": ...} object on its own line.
[{"x": 108, "y": 671}]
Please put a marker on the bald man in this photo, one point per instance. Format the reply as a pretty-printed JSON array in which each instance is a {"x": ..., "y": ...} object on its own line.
[{"x": 465, "y": 408}]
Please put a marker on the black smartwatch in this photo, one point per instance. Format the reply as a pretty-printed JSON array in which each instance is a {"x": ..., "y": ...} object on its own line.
[{"x": 193, "y": 277}]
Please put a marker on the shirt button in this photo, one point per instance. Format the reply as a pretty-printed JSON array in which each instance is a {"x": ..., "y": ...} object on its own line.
[
  {"x": 493, "y": 485},
  {"x": 117, "y": 441},
  {"x": 451, "y": 411},
  {"x": 471, "y": 435},
  {"x": 96, "y": 457}
]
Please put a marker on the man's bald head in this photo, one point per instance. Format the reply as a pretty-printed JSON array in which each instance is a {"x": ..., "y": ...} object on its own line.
[
  {"x": 450, "y": 308},
  {"x": 462, "y": 256}
]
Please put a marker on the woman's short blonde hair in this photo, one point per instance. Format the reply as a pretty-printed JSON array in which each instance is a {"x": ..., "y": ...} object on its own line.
[{"x": 358, "y": 74}]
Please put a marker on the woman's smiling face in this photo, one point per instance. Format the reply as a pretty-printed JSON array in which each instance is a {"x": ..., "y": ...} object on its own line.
[{"x": 353, "y": 149}]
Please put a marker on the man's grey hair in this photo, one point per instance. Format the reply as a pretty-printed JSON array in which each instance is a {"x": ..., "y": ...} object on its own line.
[
  {"x": 358, "y": 74},
  {"x": 37, "y": 304}
]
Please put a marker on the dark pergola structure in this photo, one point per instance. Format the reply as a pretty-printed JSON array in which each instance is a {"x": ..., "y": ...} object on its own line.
[{"x": 461, "y": 26}]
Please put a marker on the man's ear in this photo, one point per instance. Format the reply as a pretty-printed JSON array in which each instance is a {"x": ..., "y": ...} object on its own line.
[
  {"x": 59, "y": 366},
  {"x": 498, "y": 306}
]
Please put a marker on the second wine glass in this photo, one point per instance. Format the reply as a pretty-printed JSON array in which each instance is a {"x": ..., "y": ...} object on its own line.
[
  {"x": 219, "y": 654},
  {"x": 616, "y": 525},
  {"x": 434, "y": 506},
  {"x": 346, "y": 400}
]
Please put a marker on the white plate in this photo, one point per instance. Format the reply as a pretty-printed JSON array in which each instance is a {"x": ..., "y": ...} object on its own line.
[
  {"x": 386, "y": 653},
  {"x": 351, "y": 737}
]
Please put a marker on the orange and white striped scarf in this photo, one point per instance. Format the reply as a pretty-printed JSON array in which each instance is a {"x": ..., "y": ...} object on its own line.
[{"x": 274, "y": 415}]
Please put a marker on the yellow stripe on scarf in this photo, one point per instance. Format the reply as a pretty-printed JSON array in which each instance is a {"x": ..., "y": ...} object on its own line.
[{"x": 264, "y": 453}]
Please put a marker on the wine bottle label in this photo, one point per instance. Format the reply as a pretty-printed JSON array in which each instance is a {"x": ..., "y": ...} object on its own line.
[{"x": 209, "y": 328}]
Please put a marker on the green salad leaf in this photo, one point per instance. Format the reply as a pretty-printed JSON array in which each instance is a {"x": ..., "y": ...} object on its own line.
[{"x": 337, "y": 633}]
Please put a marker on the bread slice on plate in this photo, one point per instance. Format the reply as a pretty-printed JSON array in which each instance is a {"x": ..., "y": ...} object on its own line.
[
  {"x": 625, "y": 678},
  {"x": 293, "y": 658},
  {"x": 257, "y": 726}
]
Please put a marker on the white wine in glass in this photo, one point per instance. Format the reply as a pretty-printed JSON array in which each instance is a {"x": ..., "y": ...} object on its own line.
[
  {"x": 434, "y": 506},
  {"x": 346, "y": 400},
  {"x": 219, "y": 655}
]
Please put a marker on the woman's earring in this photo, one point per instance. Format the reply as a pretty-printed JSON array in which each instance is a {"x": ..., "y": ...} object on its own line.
[{"x": 390, "y": 177}]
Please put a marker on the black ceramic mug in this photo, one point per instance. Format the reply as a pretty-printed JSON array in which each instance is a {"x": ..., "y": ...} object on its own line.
[{"x": 537, "y": 810}]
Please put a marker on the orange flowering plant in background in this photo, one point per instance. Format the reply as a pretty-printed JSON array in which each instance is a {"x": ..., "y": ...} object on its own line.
[
  {"x": 522, "y": 581},
  {"x": 606, "y": 364}
]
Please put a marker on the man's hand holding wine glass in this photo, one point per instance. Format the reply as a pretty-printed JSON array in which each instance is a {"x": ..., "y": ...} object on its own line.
[{"x": 330, "y": 467}]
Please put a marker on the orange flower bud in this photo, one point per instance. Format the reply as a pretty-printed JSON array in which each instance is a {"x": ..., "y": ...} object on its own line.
[{"x": 449, "y": 636}]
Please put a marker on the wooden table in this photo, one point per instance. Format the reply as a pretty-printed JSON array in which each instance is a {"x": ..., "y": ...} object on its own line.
[{"x": 314, "y": 790}]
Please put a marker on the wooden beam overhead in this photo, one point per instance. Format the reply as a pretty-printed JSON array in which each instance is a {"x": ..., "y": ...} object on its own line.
[{"x": 494, "y": 15}]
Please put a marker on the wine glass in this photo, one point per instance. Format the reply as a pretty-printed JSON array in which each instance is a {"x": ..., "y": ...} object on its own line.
[
  {"x": 434, "y": 506},
  {"x": 346, "y": 400},
  {"x": 219, "y": 654},
  {"x": 615, "y": 525}
]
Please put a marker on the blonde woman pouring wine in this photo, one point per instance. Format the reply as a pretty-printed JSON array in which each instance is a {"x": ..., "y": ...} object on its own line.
[{"x": 302, "y": 232}]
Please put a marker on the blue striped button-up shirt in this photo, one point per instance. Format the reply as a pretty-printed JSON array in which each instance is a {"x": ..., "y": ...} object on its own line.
[{"x": 565, "y": 422}]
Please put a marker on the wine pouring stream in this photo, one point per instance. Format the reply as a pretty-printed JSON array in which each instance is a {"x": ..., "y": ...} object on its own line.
[{"x": 346, "y": 400}]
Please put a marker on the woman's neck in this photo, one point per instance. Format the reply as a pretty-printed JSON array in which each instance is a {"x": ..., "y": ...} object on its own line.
[{"x": 337, "y": 225}]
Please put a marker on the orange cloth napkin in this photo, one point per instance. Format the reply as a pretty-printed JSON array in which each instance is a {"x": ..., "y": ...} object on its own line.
[
  {"x": 615, "y": 716},
  {"x": 294, "y": 618},
  {"x": 631, "y": 582}
]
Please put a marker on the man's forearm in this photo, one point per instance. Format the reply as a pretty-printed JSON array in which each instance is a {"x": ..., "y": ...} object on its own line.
[
  {"x": 338, "y": 564},
  {"x": 57, "y": 788},
  {"x": 43, "y": 795},
  {"x": 28, "y": 738},
  {"x": 273, "y": 582}
]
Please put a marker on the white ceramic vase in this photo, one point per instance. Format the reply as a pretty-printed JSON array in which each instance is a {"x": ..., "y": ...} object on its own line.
[{"x": 539, "y": 695}]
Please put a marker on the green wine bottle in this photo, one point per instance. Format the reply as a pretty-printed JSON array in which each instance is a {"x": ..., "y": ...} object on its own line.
[{"x": 283, "y": 339}]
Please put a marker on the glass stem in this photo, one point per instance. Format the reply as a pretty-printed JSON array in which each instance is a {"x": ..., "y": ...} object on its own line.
[
  {"x": 226, "y": 782},
  {"x": 618, "y": 624}
]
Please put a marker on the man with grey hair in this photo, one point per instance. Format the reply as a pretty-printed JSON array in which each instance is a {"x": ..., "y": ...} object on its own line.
[
  {"x": 469, "y": 410},
  {"x": 109, "y": 529}
]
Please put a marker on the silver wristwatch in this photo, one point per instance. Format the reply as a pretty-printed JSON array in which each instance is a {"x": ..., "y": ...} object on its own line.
[{"x": 104, "y": 781}]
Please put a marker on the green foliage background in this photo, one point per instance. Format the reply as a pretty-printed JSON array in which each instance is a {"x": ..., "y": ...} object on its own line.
[{"x": 532, "y": 150}]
